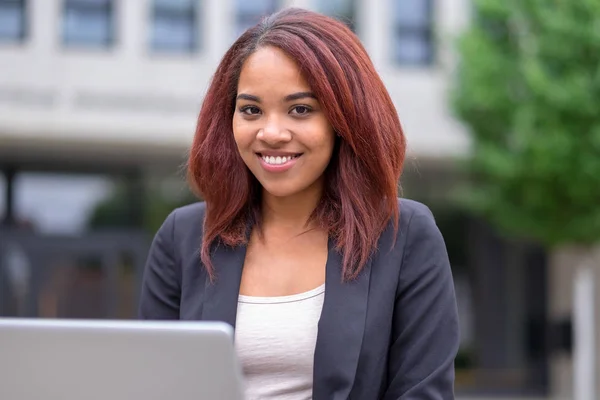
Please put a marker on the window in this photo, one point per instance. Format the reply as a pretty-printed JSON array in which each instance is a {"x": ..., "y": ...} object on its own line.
[
  {"x": 344, "y": 10},
  {"x": 413, "y": 32},
  {"x": 12, "y": 20},
  {"x": 88, "y": 23},
  {"x": 249, "y": 13},
  {"x": 174, "y": 25}
]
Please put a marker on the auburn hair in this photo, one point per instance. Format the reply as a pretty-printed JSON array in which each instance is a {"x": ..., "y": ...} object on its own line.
[{"x": 362, "y": 178}]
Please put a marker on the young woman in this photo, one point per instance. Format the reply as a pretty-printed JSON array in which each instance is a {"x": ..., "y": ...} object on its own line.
[{"x": 336, "y": 289}]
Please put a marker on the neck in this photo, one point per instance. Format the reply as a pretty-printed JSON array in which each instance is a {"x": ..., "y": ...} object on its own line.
[{"x": 292, "y": 212}]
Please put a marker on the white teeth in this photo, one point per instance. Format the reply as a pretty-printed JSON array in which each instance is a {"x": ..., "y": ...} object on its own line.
[{"x": 277, "y": 160}]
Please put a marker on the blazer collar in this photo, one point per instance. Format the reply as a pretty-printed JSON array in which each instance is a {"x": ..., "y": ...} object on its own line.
[
  {"x": 341, "y": 330},
  {"x": 341, "y": 326},
  {"x": 221, "y": 296}
]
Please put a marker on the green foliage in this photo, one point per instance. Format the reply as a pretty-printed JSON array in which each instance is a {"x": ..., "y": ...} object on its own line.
[
  {"x": 528, "y": 89},
  {"x": 112, "y": 212},
  {"x": 115, "y": 212}
]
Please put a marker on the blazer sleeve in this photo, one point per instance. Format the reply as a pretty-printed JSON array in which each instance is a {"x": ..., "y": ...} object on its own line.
[
  {"x": 425, "y": 328},
  {"x": 161, "y": 289}
]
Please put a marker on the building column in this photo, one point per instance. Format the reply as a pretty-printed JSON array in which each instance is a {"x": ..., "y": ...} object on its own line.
[
  {"x": 132, "y": 27},
  {"x": 565, "y": 261},
  {"x": 560, "y": 289},
  {"x": 306, "y": 4},
  {"x": 218, "y": 24},
  {"x": 374, "y": 27},
  {"x": 9, "y": 216},
  {"x": 136, "y": 198}
]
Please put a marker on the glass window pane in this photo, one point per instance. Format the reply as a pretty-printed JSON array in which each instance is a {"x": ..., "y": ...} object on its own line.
[
  {"x": 249, "y": 13},
  {"x": 256, "y": 7},
  {"x": 86, "y": 27},
  {"x": 11, "y": 20},
  {"x": 175, "y": 5},
  {"x": 412, "y": 48},
  {"x": 174, "y": 25},
  {"x": 242, "y": 26},
  {"x": 171, "y": 33},
  {"x": 344, "y": 10},
  {"x": 88, "y": 22},
  {"x": 89, "y": 3},
  {"x": 412, "y": 13},
  {"x": 412, "y": 24}
]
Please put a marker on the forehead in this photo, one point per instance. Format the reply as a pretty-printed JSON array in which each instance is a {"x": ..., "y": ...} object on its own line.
[{"x": 271, "y": 69}]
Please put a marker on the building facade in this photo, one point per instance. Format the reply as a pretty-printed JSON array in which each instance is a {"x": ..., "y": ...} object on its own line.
[{"x": 125, "y": 78}]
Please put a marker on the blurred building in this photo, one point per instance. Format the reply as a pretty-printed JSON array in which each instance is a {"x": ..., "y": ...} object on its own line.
[{"x": 99, "y": 97}]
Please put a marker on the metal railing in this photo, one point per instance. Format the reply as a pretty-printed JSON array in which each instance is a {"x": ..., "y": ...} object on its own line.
[{"x": 94, "y": 275}]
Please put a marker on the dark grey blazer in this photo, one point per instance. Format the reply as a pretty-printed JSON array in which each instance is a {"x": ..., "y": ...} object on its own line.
[{"x": 391, "y": 334}]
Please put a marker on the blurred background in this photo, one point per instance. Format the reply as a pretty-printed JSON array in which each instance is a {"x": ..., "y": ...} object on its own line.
[{"x": 98, "y": 104}]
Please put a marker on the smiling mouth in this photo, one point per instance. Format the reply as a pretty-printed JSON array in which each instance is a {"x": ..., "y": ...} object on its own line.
[{"x": 278, "y": 160}]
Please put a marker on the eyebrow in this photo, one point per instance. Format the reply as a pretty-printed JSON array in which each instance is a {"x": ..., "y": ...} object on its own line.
[
  {"x": 249, "y": 97},
  {"x": 289, "y": 97},
  {"x": 300, "y": 95}
]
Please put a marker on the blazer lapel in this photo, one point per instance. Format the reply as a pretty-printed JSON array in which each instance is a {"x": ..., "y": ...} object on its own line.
[
  {"x": 221, "y": 296},
  {"x": 341, "y": 330}
]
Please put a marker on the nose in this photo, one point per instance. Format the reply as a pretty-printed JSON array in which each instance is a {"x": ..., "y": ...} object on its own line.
[{"x": 274, "y": 132}]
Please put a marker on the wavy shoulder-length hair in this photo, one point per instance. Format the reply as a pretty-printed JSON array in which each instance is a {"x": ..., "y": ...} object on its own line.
[{"x": 362, "y": 178}]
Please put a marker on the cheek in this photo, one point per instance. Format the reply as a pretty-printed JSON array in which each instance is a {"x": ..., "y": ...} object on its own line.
[
  {"x": 242, "y": 134},
  {"x": 324, "y": 140}
]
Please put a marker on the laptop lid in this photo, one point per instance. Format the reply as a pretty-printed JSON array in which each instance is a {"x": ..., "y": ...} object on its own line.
[{"x": 117, "y": 360}]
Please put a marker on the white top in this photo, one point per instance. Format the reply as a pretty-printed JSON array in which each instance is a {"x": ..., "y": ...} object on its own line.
[{"x": 275, "y": 338}]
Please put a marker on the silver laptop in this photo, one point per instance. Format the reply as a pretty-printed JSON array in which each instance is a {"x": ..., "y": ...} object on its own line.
[{"x": 117, "y": 360}]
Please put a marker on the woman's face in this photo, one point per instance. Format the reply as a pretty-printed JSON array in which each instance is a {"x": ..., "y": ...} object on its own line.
[{"x": 279, "y": 127}]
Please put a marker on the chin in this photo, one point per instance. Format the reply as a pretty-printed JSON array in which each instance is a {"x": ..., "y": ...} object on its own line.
[
  {"x": 279, "y": 192},
  {"x": 279, "y": 189}
]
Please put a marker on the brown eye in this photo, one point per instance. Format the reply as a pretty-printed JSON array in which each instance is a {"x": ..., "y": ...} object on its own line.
[
  {"x": 250, "y": 110},
  {"x": 301, "y": 110}
]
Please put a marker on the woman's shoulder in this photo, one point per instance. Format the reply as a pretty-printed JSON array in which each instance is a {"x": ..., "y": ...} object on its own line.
[
  {"x": 416, "y": 232},
  {"x": 190, "y": 214},
  {"x": 417, "y": 226},
  {"x": 414, "y": 214},
  {"x": 410, "y": 208},
  {"x": 184, "y": 224}
]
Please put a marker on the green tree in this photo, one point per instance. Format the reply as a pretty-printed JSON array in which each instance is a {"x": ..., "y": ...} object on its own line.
[
  {"x": 116, "y": 210},
  {"x": 528, "y": 90}
]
